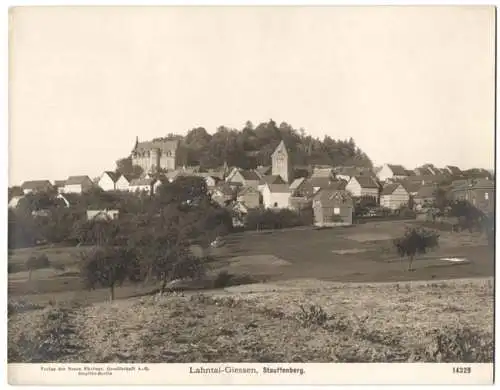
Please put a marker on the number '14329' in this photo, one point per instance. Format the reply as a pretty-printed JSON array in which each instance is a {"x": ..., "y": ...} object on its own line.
[{"x": 461, "y": 370}]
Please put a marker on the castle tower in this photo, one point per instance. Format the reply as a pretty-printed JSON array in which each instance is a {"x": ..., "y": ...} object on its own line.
[{"x": 281, "y": 163}]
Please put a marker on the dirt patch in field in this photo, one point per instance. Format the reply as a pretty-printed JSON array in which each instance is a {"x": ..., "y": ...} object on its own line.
[
  {"x": 367, "y": 237},
  {"x": 349, "y": 251},
  {"x": 257, "y": 261}
]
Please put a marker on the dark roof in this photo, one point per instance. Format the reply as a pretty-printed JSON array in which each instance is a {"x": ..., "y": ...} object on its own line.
[
  {"x": 59, "y": 183},
  {"x": 390, "y": 188},
  {"x": 321, "y": 182},
  {"x": 423, "y": 171},
  {"x": 246, "y": 189},
  {"x": 333, "y": 198},
  {"x": 164, "y": 146},
  {"x": 72, "y": 180},
  {"x": 249, "y": 174},
  {"x": 113, "y": 175},
  {"x": 367, "y": 182},
  {"x": 280, "y": 188},
  {"x": 426, "y": 192},
  {"x": 483, "y": 183},
  {"x": 262, "y": 171},
  {"x": 272, "y": 179},
  {"x": 36, "y": 185},
  {"x": 397, "y": 170},
  {"x": 454, "y": 170},
  {"x": 411, "y": 186},
  {"x": 409, "y": 172}
]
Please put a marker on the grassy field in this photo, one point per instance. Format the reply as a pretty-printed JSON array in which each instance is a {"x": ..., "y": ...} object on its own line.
[
  {"x": 361, "y": 253},
  {"x": 289, "y": 321}
]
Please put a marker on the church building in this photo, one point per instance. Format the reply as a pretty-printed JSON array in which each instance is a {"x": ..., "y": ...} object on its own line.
[{"x": 282, "y": 164}]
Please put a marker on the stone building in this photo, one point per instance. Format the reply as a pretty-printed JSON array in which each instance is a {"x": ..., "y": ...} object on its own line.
[
  {"x": 282, "y": 164},
  {"x": 156, "y": 155}
]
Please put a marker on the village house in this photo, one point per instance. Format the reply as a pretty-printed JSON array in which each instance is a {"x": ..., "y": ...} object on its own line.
[
  {"x": 36, "y": 186},
  {"x": 249, "y": 196},
  {"x": 393, "y": 196},
  {"x": 122, "y": 183},
  {"x": 222, "y": 194},
  {"x": 263, "y": 171},
  {"x": 363, "y": 186},
  {"x": 107, "y": 181},
  {"x": 102, "y": 214},
  {"x": 332, "y": 207},
  {"x": 302, "y": 188},
  {"x": 77, "y": 185},
  {"x": 425, "y": 196},
  {"x": 479, "y": 192},
  {"x": 245, "y": 177},
  {"x": 453, "y": 170},
  {"x": 391, "y": 171},
  {"x": 276, "y": 196},
  {"x": 268, "y": 180},
  {"x": 156, "y": 155},
  {"x": 59, "y": 185},
  {"x": 147, "y": 185}
]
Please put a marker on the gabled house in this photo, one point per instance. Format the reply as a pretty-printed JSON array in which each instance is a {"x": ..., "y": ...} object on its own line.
[
  {"x": 122, "y": 183},
  {"x": 59, "y": 185},
  {"x": 318, "y": 183},
  {"x": 263, "y": 171},
  {"x": 245, "y": 177},
  {"x": 144, "y": 185},
  {"x": 391, "y": 171},
  {"x": 36, "y": 186},
  {"x": 453, "y": 170},
  {"x": 78, "y": 185},
  {"x": 393, "y": 196},
  {"x": 107, "y": 181},
  {"x": 276, "y": 196},
  {"x": 301, "y": 188},
  {"x": 271, "y": 179},
  {"x": 332, "y": 207},
  {"x": 479, "y": 192},
  {"x": 249, "y": 196},
  {"x": 222, "y": 194},
  {"x": 363, "y": 186},
  {"x": 425, "y": 196}
]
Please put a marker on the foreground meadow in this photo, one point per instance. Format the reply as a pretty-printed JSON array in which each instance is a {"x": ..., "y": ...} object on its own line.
[{"x": 288, "y": 321}]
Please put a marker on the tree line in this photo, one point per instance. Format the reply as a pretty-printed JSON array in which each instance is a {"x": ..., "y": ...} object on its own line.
[{"x": 252, "y": 146}]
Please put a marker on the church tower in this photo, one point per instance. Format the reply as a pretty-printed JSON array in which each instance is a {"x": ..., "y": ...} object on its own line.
[{"x": 281, "y": 163}]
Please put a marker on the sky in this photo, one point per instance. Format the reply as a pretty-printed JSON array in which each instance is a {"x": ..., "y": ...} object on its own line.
[{"x": 411, "y": 85}]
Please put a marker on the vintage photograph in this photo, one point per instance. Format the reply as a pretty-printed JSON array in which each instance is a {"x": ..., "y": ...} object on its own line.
[{"x": 251, "y": 184}]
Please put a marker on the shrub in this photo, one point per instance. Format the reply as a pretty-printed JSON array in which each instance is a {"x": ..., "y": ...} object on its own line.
[
  {"x": 452, "y": 345},
  {"x": 312, "y": 315},
  {"x": 276, "y": 219}
]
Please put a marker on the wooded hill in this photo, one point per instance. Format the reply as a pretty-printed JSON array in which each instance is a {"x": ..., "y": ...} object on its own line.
[{"x": 253, "y": 145}]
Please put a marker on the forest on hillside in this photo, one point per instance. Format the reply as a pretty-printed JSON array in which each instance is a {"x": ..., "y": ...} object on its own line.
[{"x": 252, "y": 146}]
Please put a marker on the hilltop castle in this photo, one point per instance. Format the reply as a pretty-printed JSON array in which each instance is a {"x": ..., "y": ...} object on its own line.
[{"x": 153, "y": 156}]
